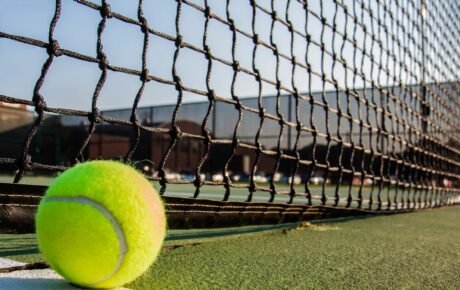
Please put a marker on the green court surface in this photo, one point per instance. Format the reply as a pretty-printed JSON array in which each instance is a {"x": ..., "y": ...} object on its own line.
[{"x": 418, "y": 250}]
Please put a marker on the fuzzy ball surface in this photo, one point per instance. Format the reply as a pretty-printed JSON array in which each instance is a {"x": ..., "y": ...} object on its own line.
[{"x": 101, "y": 224}]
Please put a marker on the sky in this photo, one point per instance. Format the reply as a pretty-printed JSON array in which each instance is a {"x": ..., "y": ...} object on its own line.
[{"x": 70, "y": 83}]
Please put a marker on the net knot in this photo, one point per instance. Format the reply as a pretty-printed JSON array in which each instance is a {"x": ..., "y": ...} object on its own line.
[
  {"x": 235, "y": 142},
  {"x": 281, "y": 120},
  {"x": 334, "y": 56},
  {"x": 207, "y": 12},
  {"x": 178, "y": 82},
  {"x": 95, "y": 116},
  {"x": 279, "y": 153},
  {"x": 54, "y": 49},
  {"x": 175, "y": 132},
  {"x": 323, "y": 46},
  {"x": 207, "y": 136},
  {"x": 39, "y": 103},
  {"x": 236, "y": 65},
  {"x": 297, "y": 156},
  {"x": 135, "y": 120},
  {"x": 179, "y": 41},
  {"x": 24, "y": 164},
  {"x": 262, "y": 113},
  {"x": 207, "y": 52},
  {"x": 257, "y": 75},
  {"x": 259, "y": 147},
  {"x": 275, "y": 50},
  {"x": 103, "y": 62},
  {"x": 255, "y": 38},
  {"x": 296, "y": 93},
  {"x": 145, "y": 75},
  {"x": 211, "y": 96},
  {"x": 231, "y": 24},
  {"x": 336, "y": 83},
  {"x": 278, "y": 85},
  {"x": 274, "y": 15},
  {"x": 106, "y": 10},
  {"x": 299, "y": 126},
  {"x": 238, "y": 105},
  {"x": 144, "y": 24}
]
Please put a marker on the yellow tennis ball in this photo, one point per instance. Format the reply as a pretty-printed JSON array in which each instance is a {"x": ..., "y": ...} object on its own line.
[{"x": 101, "y": 224}]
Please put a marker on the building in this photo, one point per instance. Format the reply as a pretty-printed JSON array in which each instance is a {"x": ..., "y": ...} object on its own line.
[{"x": 60, "y": 137}]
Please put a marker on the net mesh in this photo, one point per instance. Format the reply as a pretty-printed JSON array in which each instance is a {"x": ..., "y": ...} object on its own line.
[{"x": 356, "y": 104}]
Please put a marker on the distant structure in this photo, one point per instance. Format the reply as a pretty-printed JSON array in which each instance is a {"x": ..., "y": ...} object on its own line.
[
  {"x": 60, "y": 137},
  {"x": 14, "y": 121},
  {"x": 13, "y": 115}
]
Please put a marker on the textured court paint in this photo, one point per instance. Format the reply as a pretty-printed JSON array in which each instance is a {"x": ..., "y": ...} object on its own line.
[
  {"x": 41, "y": 279},
  {"x": 406, "y": 251},
  {"x": 7, "y": 263},
  {"x": 123, "y": 192}
]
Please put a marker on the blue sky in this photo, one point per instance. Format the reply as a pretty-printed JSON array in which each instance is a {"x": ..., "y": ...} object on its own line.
[{"x": 70, "y": 83}]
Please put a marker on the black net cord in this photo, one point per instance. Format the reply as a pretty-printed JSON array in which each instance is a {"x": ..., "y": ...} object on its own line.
[{"x": 381, "y": 128}]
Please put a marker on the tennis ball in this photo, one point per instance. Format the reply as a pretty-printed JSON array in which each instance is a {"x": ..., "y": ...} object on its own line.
[{"x": 101, "y": 224}]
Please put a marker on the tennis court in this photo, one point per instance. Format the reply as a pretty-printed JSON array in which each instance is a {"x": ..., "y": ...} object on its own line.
[
  {"x": 407, "y": 251},
  {"x": 284, "y": 143}
]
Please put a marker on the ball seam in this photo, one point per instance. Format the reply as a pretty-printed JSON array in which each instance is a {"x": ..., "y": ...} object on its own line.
[{"x": 113, "y": 221}]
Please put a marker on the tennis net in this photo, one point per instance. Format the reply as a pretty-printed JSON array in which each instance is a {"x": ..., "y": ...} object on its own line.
[{"x": 262, "y": 111}]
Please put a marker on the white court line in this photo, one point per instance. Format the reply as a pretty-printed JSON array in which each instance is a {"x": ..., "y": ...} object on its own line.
[
  {"x": 6, "y": 263},
  {"x": 32, "y": 279}
]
